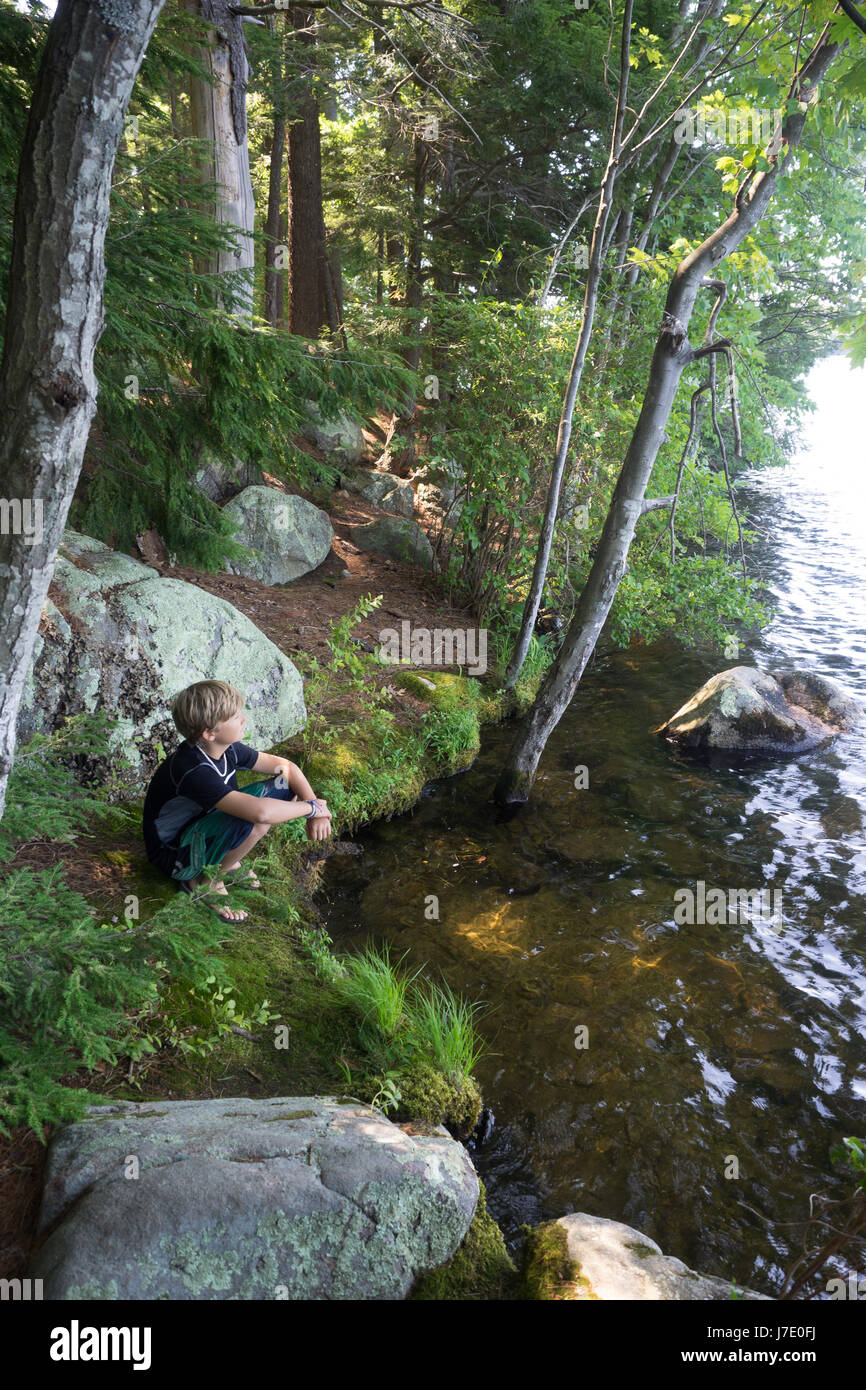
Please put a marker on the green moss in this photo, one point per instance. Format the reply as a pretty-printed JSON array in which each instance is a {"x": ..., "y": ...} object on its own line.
[
  {"x": 429, "y": 1096},
  {"x": 480, "y": 1270},
  {"x": 548, "y": 1272},
  {"x": 642, "y": 1251}
]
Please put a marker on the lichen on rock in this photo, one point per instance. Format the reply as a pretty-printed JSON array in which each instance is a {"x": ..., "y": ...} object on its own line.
[{"x": 284, "y": 1198}]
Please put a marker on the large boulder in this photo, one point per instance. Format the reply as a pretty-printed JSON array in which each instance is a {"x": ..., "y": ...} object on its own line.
[
  {"x": 747, "y": 711},
  {"x": 290, "y": 1198},
  {"x": 338, "y": 434},
  {"x": 220, "y": 478},
  {"x": 618, "y": 1262},
  {"x": 115, "y": 636},
  {"x": 395, "y": 538},
  {"x": 382, "y": 489},
  {"x": 286, "y": 535}
]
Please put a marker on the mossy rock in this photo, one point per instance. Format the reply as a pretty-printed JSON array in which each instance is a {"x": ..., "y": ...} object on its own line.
[
  {"x": 428, "y": 1095},
  {"x": 480, "y": 1271},
  {"x": 548, "y": 1272},
  {"x": 442, "y": 689}
]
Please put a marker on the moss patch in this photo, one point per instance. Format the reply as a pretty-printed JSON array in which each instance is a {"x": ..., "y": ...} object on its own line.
[
  {"x": 480, "y": 1270},
  {"x": 429, "y": 1096},
  {"x": 548, "y": 1272}
]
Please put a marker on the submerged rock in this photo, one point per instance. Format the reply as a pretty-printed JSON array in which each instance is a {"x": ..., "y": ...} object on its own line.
[
  {"x": 287, "y": 535},
  {"x": 290, "y": 1198},
  {"x": 617, "y": 1262},
  {"x": 120, "y": 638},
  {"x": 396, "y": 538},
  {"x": 747, "y": 711}
]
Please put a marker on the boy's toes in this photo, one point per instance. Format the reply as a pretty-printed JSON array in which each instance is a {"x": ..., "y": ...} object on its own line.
[{"x": 230, "y": 914}]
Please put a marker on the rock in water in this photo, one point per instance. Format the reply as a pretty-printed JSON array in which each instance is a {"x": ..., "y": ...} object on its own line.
[
  {"x": 755, "y": 712},
  {"x": 619, "y": 1262},
  {"x": 287, "y": 535},
  {"x": 120, "y": 638},
  {"x": 298, "y": 1198}
]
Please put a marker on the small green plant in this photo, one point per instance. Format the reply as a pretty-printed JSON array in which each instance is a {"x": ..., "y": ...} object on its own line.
[
  {"x": 317, "y": 944},
  {"x": 376, "y": 989},
  {"x": 443, "y": 1027},
  {"x": 388, "y": 1096},
  {"x": 451, "y": 734},
  {"x": 215, "y": 1000},
  {"x": 352, "y": 669}
]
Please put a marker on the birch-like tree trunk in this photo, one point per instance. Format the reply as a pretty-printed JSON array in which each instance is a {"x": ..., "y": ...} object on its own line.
[
  {"x": 219, "y": 118},
  {"x": 54, "y": 315},
  {"x": 673, "y": 353}
]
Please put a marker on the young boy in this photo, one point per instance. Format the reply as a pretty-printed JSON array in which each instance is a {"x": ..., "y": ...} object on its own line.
[{"x": 194, "y": 812}]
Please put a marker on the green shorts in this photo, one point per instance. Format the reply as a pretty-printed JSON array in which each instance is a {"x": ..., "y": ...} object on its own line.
[{"x": 206, "y": 842}]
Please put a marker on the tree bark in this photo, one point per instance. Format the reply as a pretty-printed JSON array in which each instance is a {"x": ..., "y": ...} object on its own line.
[
  {"x": 276, "y": 250},
  {"x": 414, "y": 265},
  {"x": 673, "y": 353},
  {"x": 309, "y": 287},
  {"x": 54, "y": 315},
  {"x": 219, "y": 118}
]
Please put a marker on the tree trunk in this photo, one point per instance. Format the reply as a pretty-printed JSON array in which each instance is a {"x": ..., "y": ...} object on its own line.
[
  {"x": 414, "y": 265},
  {"x": 672, "y": 355},
  {"x": 54, "y": 316},
  {"x": 590, "y": 300},
  {"x": 275, "y": 250},
  {"x": 309, "y": 287},
  {"x": 219, "y": 117}
]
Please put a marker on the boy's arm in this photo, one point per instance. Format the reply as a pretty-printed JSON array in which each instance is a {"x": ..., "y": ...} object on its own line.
[
  {"x": 263, "y": 810},
  {"x": 295, "y": 779}
]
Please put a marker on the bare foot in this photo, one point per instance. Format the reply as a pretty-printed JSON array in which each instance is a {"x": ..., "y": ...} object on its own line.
[{"x": 218, "y": 889}]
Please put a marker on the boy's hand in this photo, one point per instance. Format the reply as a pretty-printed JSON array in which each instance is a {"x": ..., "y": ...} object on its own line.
[{"x": 319, "y": 827}]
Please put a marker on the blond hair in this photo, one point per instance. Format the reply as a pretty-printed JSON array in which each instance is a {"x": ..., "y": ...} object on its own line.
[{"x": 203, "y": 706}]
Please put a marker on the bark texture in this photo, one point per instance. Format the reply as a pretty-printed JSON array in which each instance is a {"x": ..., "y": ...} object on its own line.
[
  {"x": 219, "y": 117},
  {"x": 55, "y": 311},
  {"x": 313, "y": 294}
]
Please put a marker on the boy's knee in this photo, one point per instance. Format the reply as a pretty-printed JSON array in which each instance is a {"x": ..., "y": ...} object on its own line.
[{"x": 259, "y": 829}]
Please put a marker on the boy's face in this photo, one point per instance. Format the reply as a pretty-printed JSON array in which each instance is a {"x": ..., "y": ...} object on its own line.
[{"x": 228, "y": 730}]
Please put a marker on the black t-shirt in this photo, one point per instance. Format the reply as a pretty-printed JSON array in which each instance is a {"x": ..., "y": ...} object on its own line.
[{"x": 187, "y": 785}]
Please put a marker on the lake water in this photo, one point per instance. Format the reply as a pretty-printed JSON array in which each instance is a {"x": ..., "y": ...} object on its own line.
[{"x": 713, "y": 1050}]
